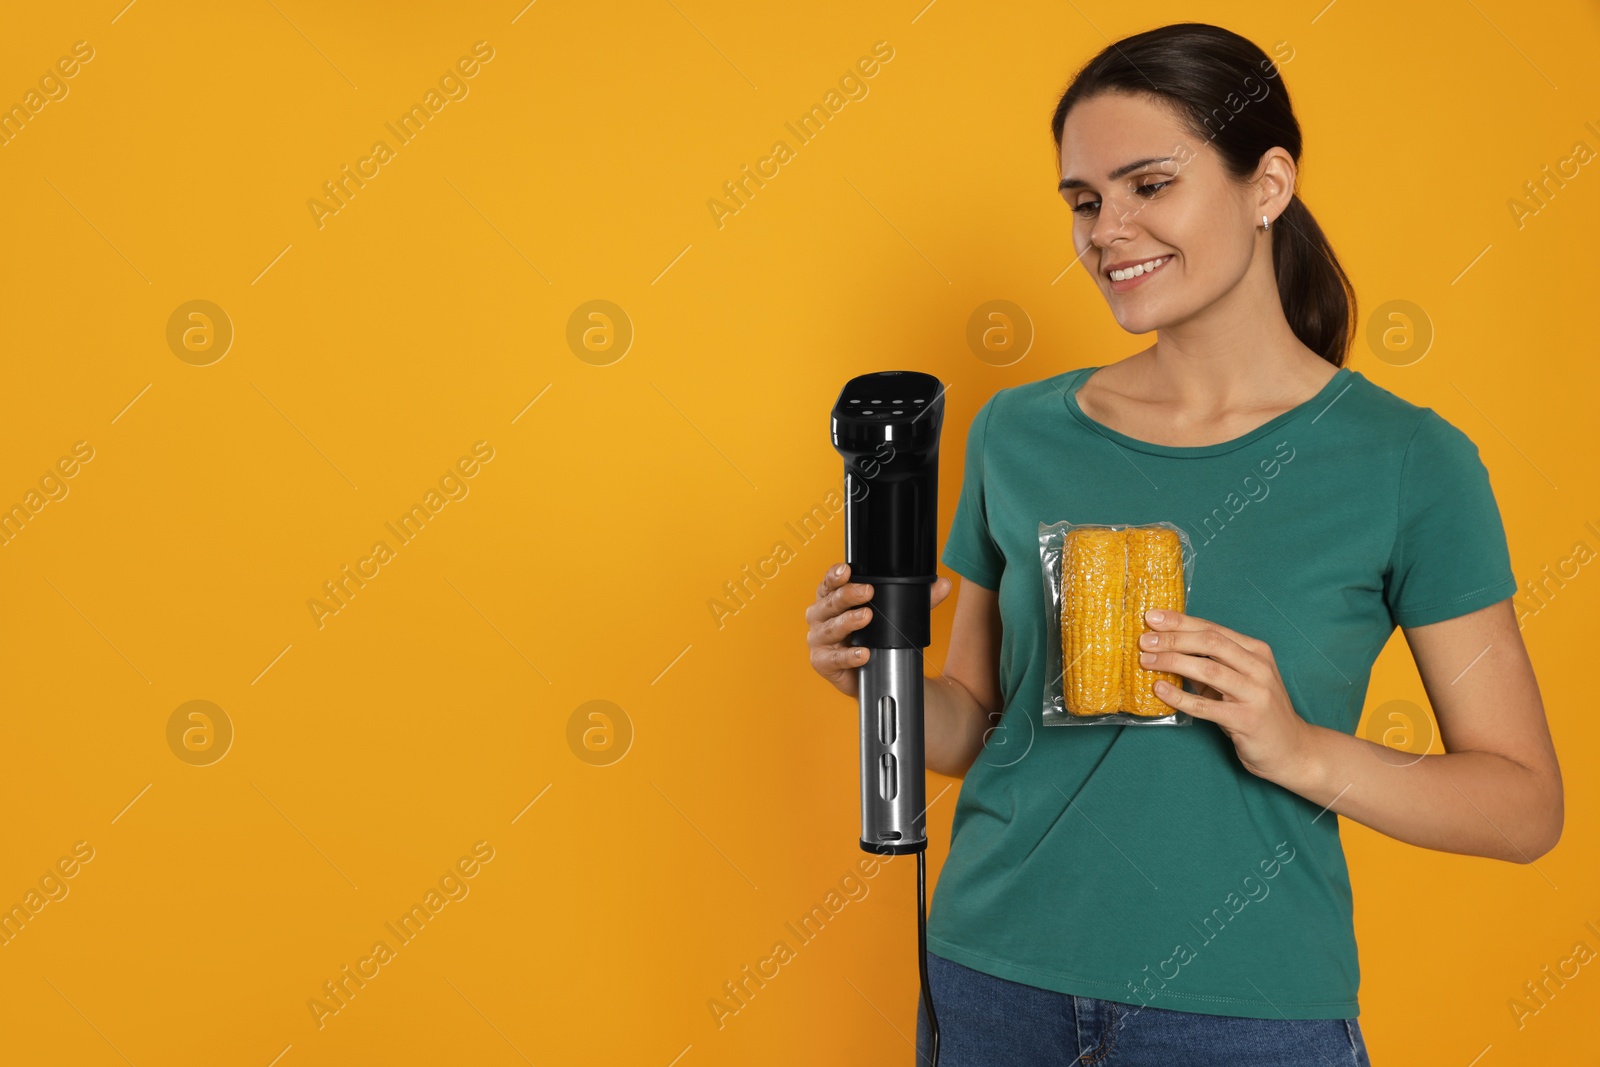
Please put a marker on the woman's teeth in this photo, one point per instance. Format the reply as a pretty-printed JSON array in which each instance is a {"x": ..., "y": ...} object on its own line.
[{"x": 1138, "y": 269}]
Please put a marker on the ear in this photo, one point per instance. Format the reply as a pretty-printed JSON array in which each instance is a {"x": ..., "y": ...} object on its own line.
[{"x": 1274, "y": 179}]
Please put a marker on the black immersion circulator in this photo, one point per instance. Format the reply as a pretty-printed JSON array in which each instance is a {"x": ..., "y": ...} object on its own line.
[{"x": 886, "y": 426}]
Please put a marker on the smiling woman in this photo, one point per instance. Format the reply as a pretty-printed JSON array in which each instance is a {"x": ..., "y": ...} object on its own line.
[
  {"x": 1227, "y": 154},
  {"x": 1073, "y": 867}
]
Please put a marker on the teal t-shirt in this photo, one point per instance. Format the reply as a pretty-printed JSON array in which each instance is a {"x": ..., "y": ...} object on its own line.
[{"x": 1143, "y": 864}]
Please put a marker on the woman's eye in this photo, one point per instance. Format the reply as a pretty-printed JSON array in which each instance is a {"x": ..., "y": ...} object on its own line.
[{"x": 1089, "y": 207}]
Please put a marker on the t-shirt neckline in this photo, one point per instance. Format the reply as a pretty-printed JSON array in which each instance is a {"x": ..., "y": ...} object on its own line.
[{"x": 1323, "y": 398}]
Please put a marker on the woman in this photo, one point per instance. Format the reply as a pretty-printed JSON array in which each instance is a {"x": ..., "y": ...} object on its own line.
[{"x": 1178, "y": 895}]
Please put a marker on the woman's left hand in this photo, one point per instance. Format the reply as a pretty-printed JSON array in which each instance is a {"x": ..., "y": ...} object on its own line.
[{"x": 1240, "y": 690}]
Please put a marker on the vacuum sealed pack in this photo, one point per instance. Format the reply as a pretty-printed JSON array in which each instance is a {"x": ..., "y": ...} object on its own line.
[{"x": 1099, "y": 581}]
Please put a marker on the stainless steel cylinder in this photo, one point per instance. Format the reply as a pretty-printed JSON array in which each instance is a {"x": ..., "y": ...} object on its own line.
[{"x": 893, "y": 783}]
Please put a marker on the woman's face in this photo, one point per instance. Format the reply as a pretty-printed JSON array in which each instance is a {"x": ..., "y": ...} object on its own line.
[{"x": 1143, "y": 188}]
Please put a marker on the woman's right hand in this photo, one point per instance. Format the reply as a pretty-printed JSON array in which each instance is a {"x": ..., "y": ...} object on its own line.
[{"x": 840, "y": 610}]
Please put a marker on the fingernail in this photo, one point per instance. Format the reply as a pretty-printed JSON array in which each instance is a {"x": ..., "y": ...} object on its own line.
[
  {"x": 838, "y": 570},
  {"x": 1154, "y": 616}
]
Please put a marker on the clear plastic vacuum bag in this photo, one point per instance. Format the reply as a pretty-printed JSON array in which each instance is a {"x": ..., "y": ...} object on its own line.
[{"x": 1099, "y": 581}]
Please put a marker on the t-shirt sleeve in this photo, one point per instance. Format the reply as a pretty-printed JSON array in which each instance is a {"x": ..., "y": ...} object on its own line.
[
  {"x": 970, "y": 550},
  {"x": 1450, "y": 555}
]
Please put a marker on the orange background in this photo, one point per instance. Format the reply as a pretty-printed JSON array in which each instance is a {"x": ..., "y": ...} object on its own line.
[{"x": 446, "y": 703}]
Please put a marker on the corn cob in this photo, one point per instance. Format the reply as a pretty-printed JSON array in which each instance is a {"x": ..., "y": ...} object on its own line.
[
  {"x": 1155, "y": 580},
  {"x": 1093, "y": 576}
]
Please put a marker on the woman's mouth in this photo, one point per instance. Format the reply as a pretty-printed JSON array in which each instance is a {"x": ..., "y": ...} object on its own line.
[{"x": 1123, "y": 280}]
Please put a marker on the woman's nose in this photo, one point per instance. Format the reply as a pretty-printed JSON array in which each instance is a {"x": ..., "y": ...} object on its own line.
[{"x": 1114, "y": 221}]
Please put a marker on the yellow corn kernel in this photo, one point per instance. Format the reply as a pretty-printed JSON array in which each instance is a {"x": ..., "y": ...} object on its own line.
[
  {"x": 1093, "y": 576},
  {"x": 1155, "y": 581}
]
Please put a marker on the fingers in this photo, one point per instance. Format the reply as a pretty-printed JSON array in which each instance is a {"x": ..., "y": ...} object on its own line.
[
  {"x": 835, "y": 659},
  {"x": 1205, "y": 672},
  {"x": 834, "y": 596},
  {"x": 837, "y": 575},
  {"x": 835, "y": 579},
  {"x": 834, "y": 617},
  {"x": 833, "y": 630},
  {"x": 840, "y": 609},
  {"x": 1177, "y": 632},
  {"x": 1178, "y": 623}
]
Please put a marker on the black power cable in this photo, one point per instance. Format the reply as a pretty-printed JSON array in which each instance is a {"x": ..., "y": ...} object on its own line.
[{"x": 922, "y": 951}]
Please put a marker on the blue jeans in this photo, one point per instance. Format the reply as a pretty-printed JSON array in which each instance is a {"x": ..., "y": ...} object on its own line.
[{"x": 986, "y": 1021}]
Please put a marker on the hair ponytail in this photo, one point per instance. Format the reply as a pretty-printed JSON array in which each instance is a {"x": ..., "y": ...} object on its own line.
[
  {"x": 1203, "y": 71},
  {"x": 1318, "y": 299}
]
